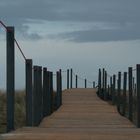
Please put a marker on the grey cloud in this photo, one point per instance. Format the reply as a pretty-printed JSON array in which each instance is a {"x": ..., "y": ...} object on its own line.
[
  {"x": 21, "y": 29},
  {"x": 19, "y": 13},
  {"x": 31, "y": 36},
  {"x": 101, "y": 35},
  {"x": 73, "y": 10}
]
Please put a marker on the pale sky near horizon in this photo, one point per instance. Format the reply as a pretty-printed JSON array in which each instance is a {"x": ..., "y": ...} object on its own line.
[{"x": 81, "y": 34}]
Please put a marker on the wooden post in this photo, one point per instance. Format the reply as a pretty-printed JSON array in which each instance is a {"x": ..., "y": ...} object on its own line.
[
  {"x": 10, "y": 87},
  {"x": 51, "y": 91},
  {"x": 48, "y": 107},
  {"x": 93, "y": 84},
  {"x": 68, "y": 79},
  {"x": 119, "y": 92},
  {"x": 45, "y": 92},
  {"x": 105, "y": 85},
  {"x": 35, "y": 96},
  {"x": 85, "y": 83},
  {"x": 40, "y": 94},
  {"x": 135, "y": 90},
  {"x": 124, "y": 93},
  {"x": 130, "y": 105},
  {"x": 108, "y": 90},
  {"x": 114, "y": 90},
  {"x": 71, "y": 78},
  {"x": 103, "y": 81},
  {"x": 99, "y": 83},
  {"x": 29, "y": 94},
  {"x": 138, "y": 95},
  {"x": 58, "y": 89},
  {"x": 111, "y": 88},
  {"x": 76, "y": 82},
  {"x": 133, "y": 87},
  {"x": 61, "y": 80}
]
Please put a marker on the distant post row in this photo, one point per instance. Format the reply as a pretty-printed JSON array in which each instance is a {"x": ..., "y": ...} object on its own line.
[
  {"x": 123, "y": 90},
  {"x": 70, "y": 79}
]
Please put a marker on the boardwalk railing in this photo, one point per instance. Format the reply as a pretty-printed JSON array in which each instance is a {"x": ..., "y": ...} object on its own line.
[
  {"x": 41, "y": 100},
  {"x": 123, "y": 90}
]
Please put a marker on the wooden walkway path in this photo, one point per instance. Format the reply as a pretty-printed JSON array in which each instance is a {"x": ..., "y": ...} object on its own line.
[{"x": 83, "y": 116}]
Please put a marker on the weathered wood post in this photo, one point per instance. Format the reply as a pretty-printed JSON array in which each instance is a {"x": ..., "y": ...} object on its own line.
[
  {"x": 48, "y": 107},
  {"x": 124, "y": 93},
  {"x": 76, "y": 81},
  {"x": 138, "y": 95},
  {"x": 130, "y": 105},
  {"x": 10, "y": 86},
  {"x": 71, "y": 78},
  {"x": 85, "y": 83},
  {"x": 45, "y": 92},
  {"x": 67, "y": 78},
  {"x": 35, "y": 96},
  {"x": 40, "y": 94},
  {"x": 99, "y": 83},
  {"x": 119, "y": 93},
  {"x": 103, "y": 82},
  {"x": 111, "y": 88},
  {"x": 135, "y": 90},
  {"x": 114, "y": 90},
  {"x": 51, "y": 91},
  {"x": 108, "y": 90},
  {"x": 133, "y": 87},
  {"x": 105, "y": 86},
  {"x": 93, "y": 84},
  {"x": 60, "y": 88},
  {"x": 29, "y": 93},
  {"x": 61, "y": 81}
]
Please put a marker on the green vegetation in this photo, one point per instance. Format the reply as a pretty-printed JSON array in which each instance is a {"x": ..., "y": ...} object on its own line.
[{"x": 19, "y": 110}]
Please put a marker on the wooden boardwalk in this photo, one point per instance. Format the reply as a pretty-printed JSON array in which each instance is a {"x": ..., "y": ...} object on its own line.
[{"x": 83, "y": 116}]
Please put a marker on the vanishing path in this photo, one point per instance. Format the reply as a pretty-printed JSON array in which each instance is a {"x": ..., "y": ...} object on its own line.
[{"x": 83, "y": 116}]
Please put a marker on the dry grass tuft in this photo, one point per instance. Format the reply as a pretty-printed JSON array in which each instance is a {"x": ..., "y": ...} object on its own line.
[
  {"x": 20, "y": 113},
  {"x": 19, "y": 110}
]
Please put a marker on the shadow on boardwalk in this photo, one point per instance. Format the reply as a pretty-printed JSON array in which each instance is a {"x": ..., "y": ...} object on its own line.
[{"x": 83, "y": 116}]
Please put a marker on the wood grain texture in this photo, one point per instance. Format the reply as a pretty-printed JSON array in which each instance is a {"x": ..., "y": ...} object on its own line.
[{"x": 83, "y": 116}]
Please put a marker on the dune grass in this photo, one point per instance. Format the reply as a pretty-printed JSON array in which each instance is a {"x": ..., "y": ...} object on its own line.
[
  {"x": 2, "y": 112},
  {"x": 19, "y": 110}
]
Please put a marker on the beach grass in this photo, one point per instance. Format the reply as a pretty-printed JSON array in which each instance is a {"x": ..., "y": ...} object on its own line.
[{"x": 19, "y": 110}]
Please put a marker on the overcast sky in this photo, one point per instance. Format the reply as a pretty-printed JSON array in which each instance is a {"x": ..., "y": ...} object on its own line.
[{"x": 82, "y": 34}]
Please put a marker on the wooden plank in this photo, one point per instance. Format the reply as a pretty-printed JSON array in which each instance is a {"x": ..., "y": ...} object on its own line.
[{"x": 82, "y": 116}]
